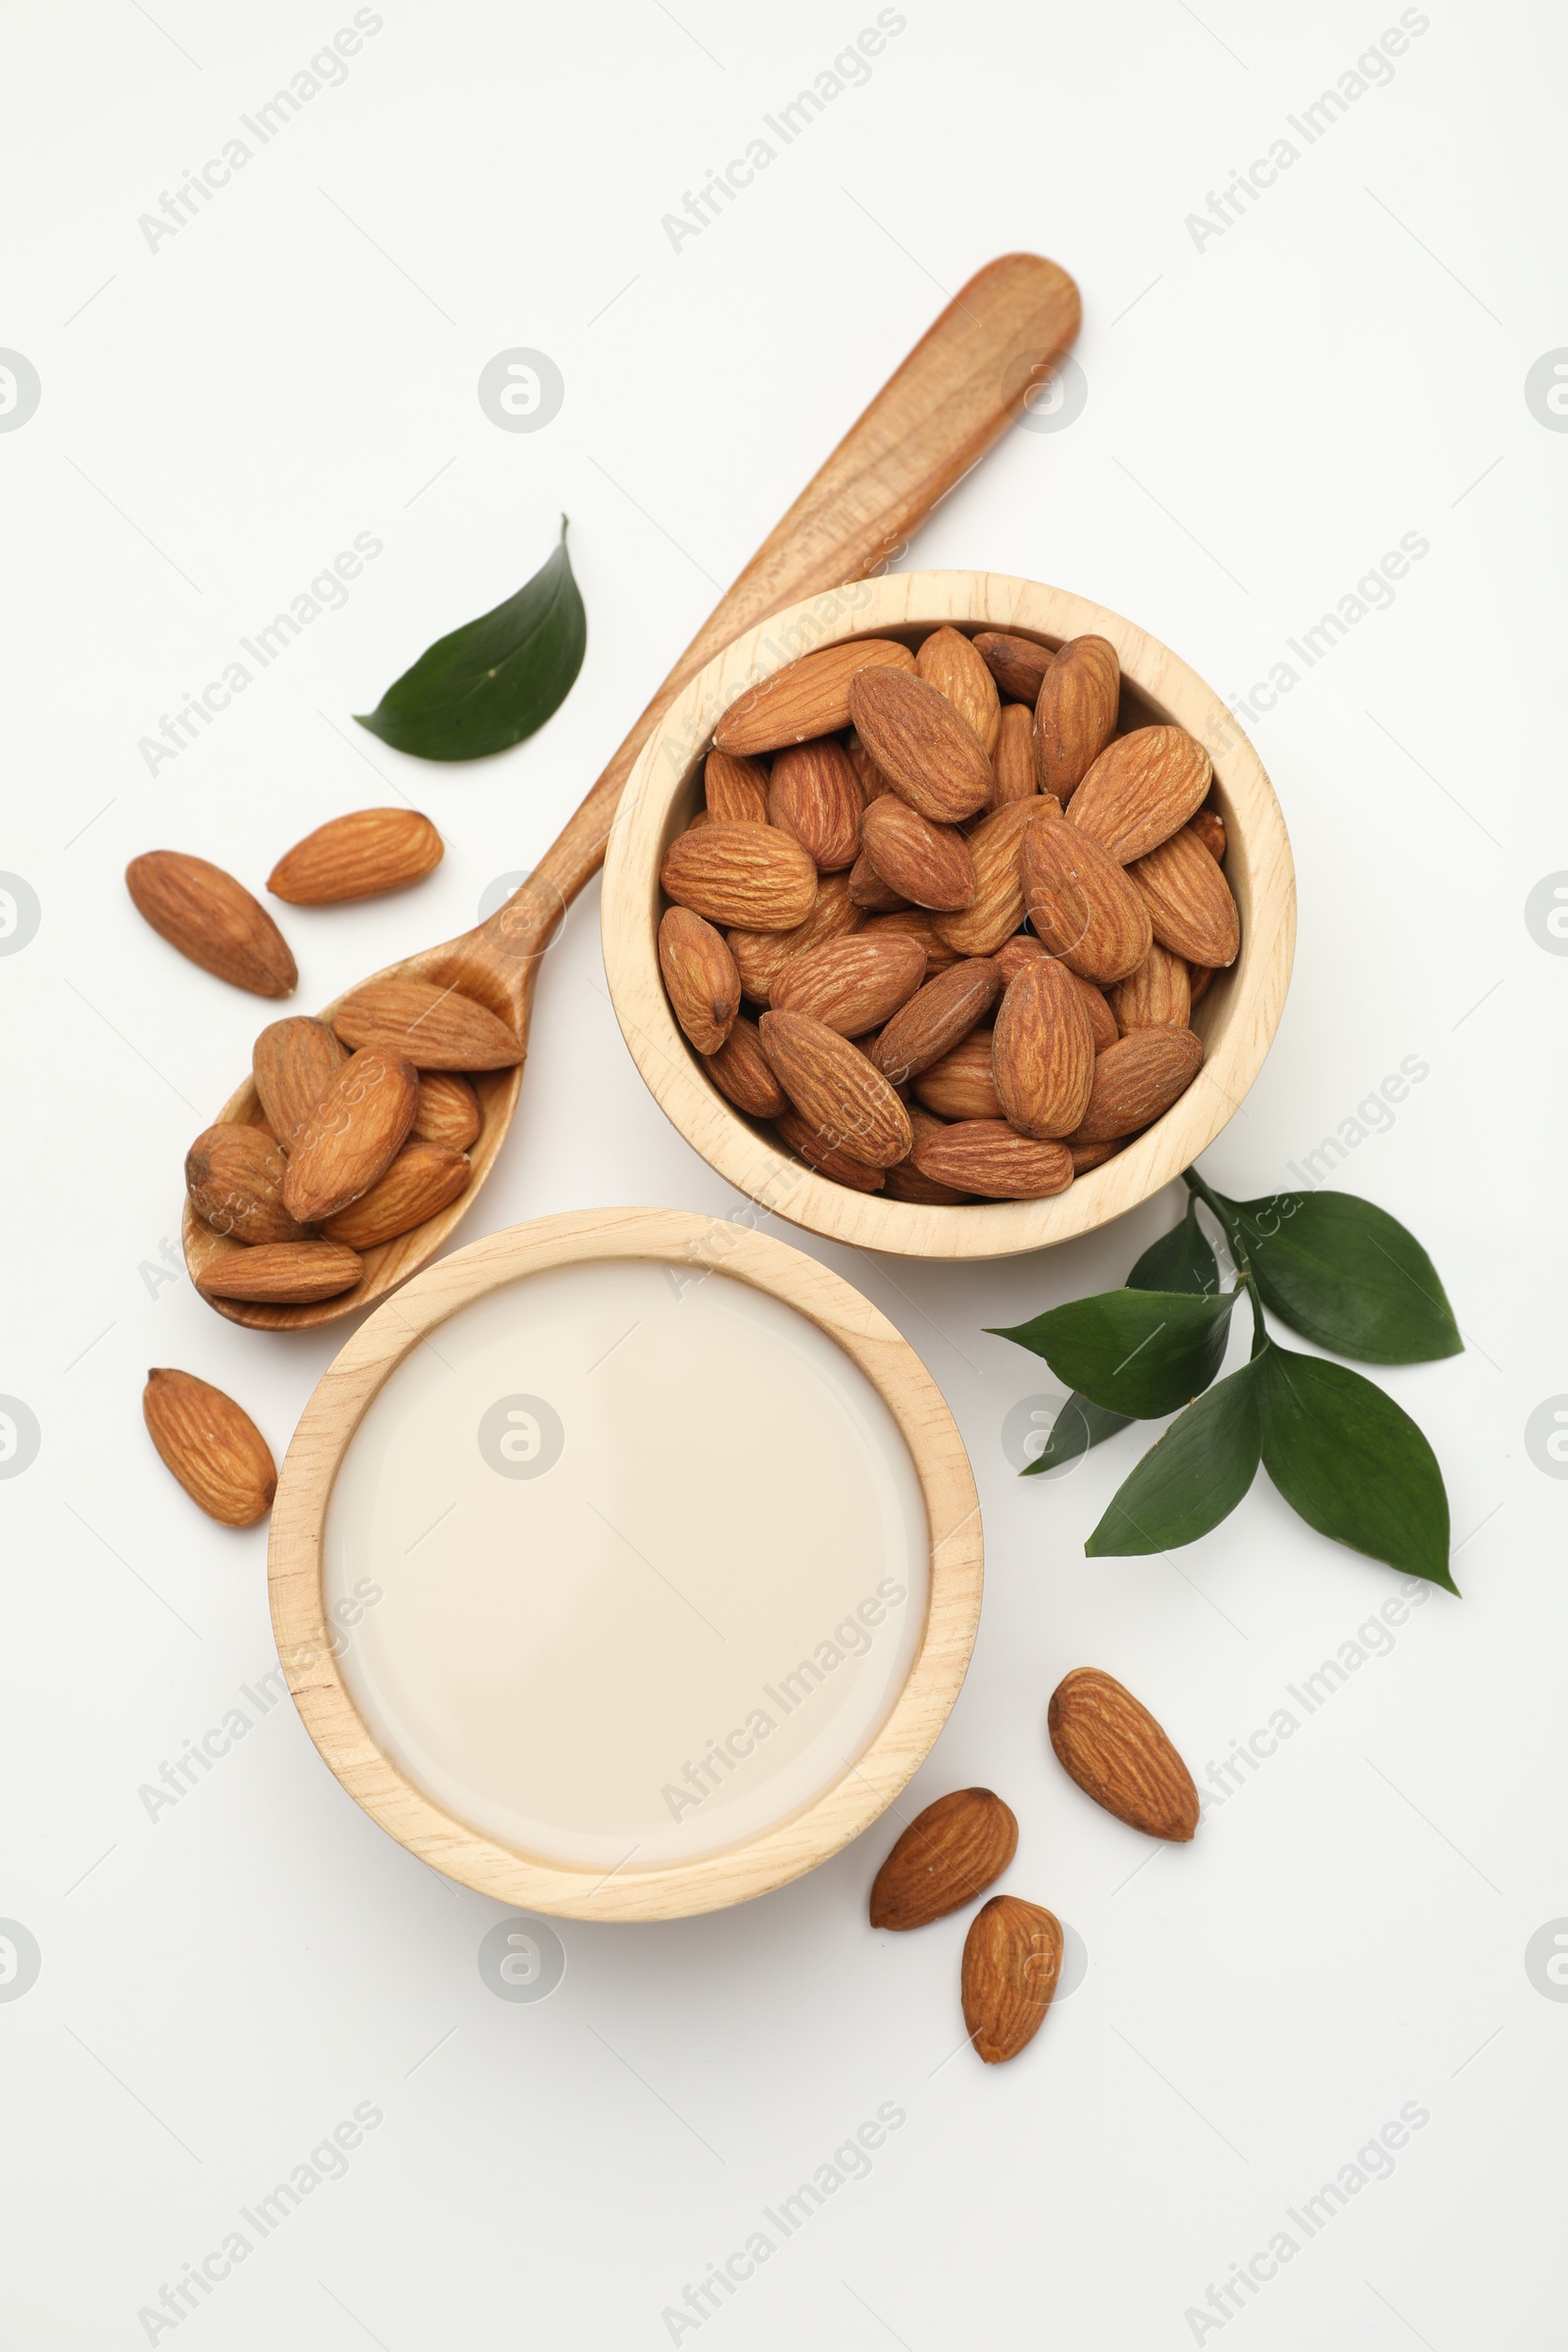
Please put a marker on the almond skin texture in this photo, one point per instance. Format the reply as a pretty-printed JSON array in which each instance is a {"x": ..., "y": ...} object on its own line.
[
  {"x": 701, "y": 977},
  {"x": 760, "y": 956},
  {"x": 211, "y": 1445},
  {"x": 235, "y": 1176},
  {"x": 1141, "y": 790},
  {"x": 422, "y": 1180},
  {"x": 1075, "y": 713},
  {"x": 1017, "y": 664},
  {"x": 1157, "y": 996},
  {"x": 1013, "y": 953},
  {"x": 283, "y": 1273},
  {"x": 868, "y": 890},
  {"x": 357, "y": 856},
  {"x": 1189, "y": 902},
  {"x": 810, "y": 697},
  {"x": 927, "y": 864},
  {"x": 1012, "y": 1961},
  {"x": 814, "y": 795},
  {"x": 917, "y": 924},
  {"x": 1118, "y": 1754},
  {"x": 1012, "y": 760},
  {"x": 293, "y": 1063},
  {"x": 948, "y": 662},
  {"x": 447, "y": 1112},
  {"x": 852, "y": 983},
  {"x": 1043, "y": 1051},
  {"x": 847, "y": 1104},
  {"x": 947, "y": 1856},
  {"x": 437, "y": 1028},
  {"x": 996, "y": 909},
  {"x": 749, "y": 876},
  {"x": 740, "y": 1069},
  {"x": 1102, "y": 1020},
  {"x": 931, "y": 757},
  {"x": 960, "y": 1085},
  {"x": 1092, "y": 1155},
  {"x": 936, "y": 1018},
  {"x": 1209, "y": 827},
  {"x": 904, "y": 1181},
  {"x": 1136, "y": 1080},
  {"x": 990, "y": 1157},
  {"x": 1082, "y": 904},
  {"x": 351, "y": 1137},
  {"x": 1199, "y": 976},
  {"x": 211, "y": 919},
  {"x": 735, "y": 791},
  {"x": 801, "y": 1140},
  {"x": 873, "y": 782}
]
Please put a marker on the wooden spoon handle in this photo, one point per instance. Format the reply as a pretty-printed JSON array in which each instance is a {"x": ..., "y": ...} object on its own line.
[{"x": 956, "y": 392}]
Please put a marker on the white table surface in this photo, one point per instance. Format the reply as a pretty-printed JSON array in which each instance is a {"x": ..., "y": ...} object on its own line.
[{"x": 1267, "y": 411}]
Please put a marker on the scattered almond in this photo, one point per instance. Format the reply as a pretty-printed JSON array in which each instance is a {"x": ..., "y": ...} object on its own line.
[
  {"x": 959, "y": 1085},
  {"x": 293, "y": 1063},
  {"x": 1011, "y": 1962},
  {"x": 1017, "y": 664},
  {"x": 213, "y": 920},
  {"x": 1188, "y": 901},
  {"x": 1141, "y": 790},
  {"x": 905, "y": 1182},
  {"x": 1075, "y": 713},
  {"x": 1082, "y": 904},
  {"x": 927, "y": 864},
  {"x": 350, "y": 1136},
  {"x": 235, "y": 1176},
  {"x": 916, "y": 923},
  {"x": 947, "y": 1856},
  {"x": 701, "y": 977},
  {"x": 870, "y": 893},
  {"x": 436, "y": 1028},
  {"x": 847, "y": 1104},
  {"x": 1118, "y": 1754},
  {"x": 814, "y": 795},
  {"x": 852, "y": 983},
  {"x": 760, "y": 956},
  {"x": 740, "y": 1069},
  {"x": 422, "y": 1181},
  {"x": 1157, "y": 996},
  {"x": 735, "y": 791},
  {"x": 357, "y": 856},
  {"x": 283, "y": 1273},
  {"x": 1043, "y": 1051},
  {"x": 805, "y": 1144},
  {"x": 948, "y": 662},
  {"x": 992, "y": 1159},
  {"x": 996, "y": 908},
  {"x": 936, "y": 1018},
  {"x": 1209, "y": 827},
  {"x": 446, "y": 1112},
  {"x": 1012, "y": 760},
  {"x": 211, "y": 1445},
  {"x": 931, "y": 757},
  {"x": 1136, "y": 1079},
  {"x": 807, "y": 698}
]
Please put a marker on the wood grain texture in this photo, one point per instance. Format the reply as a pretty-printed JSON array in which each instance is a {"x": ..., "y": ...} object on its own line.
[
  {"x": 760, "y": 1864},
  {"x": 1237, "y": 1019},
  {"x": 997, "y": 340}
]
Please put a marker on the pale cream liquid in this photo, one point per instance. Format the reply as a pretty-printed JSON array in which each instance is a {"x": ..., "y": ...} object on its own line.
[{"x": 683, "y": 1628}]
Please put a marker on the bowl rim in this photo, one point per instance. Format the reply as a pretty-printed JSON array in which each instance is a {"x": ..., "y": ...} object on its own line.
[
  {"x": 1237, "y": 1019},
  {"x": 755, "y": 1866}
]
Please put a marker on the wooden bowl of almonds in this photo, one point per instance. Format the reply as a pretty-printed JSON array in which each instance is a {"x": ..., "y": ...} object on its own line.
[{"x": 948, "y": 914}]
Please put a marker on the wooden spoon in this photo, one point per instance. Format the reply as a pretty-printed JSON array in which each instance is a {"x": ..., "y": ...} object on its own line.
[{"x": 955, "y": 392}]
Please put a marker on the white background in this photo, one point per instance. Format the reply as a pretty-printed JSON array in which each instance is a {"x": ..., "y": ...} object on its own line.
[{"x": 1267, "y": 414}]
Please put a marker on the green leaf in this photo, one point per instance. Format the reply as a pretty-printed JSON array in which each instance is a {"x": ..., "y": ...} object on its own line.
[
  {"x": 1346, "y": 1274},
  {"x": 1180, "y": 1260},
  {"x": 1139, "y": 1352},
  {"x": 1193, "y": 1478},
  {"x": 1353, "y": 1463},
  {"x": 491, "y": 683}
]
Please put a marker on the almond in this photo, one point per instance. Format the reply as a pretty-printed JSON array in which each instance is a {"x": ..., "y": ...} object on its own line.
[
  {"x": 701, "y": 976},
  {"x": 1118, "y": 1754},
  {"x": 1043, "y": 1051},
  {"x": 873, "y": 782},
  {"x": 1017, "y": 664},
  {"x": 422, "y": 1180},
  {"x": 868, "y": 890},
  {"x": 211, "y": 1445},
  {"x": 1136, "y": 1080},
  {"x": 211, "y": 919},
  {"x": 235, "y": 1176},
  {"x": 931, "y": 757},
  {"x": 1012, "y": 1961},
  {"x": 990, "y": 1157},
  {"x": 350, "y": 1136},
  {"x": 749, "y": 876},
  {"x": 904, "y": 1181},
  {"x": 1092, "y": 1155},
  {"x": 948, "y": 662},
  {"x": 848, "y": 1103},
  {"x": 1199, "y": 976},
  {"x": 760, "y": 956},
  {"x": 1141, "y": 790},
  {"x": 1157, "y": 996},
  {"x": 293, "y": 1063},
  {"x": 1082, "y": 904},
  {"x": 1188, "y": 901},
  {"x": 996, "y": 909},
  {"x": 446, "y": 1112},
  {"x": 1075, "y": 713},
  {"x": 1014, "y": 758},
  {"x": 357, "y": 856},
  {"x": 816, "y": 795},
  {"x": 944, "y": 1859},
  {"x": 960, "y": 1085},
  {"x": 803, "y": 1140},
  {"x": 283, "y": 1273},
  {"x": 916, "y": 923},
  {"x": 936, "y": 1018},
  {"x": 928, "y": 865},
  {"x": 735, "y": 791},
  {"x": 852, "y": 983},
  {"x": 1102, "y": 1020},
  {"x": 437, "y": 1028},
  {"x": 807, "y": 698},
  {"x": 1014, "y": 954},
  {"x": 740, "y": 1070},
  {"x": 1209, "y": 827}
]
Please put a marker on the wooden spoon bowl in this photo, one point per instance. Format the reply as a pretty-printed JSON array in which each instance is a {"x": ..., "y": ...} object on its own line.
[{"x": 1000, "y": 339}]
